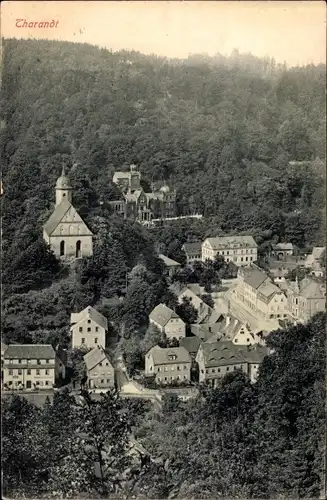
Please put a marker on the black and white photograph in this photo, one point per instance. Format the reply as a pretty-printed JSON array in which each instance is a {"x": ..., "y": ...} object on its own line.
[{"x": 163, "y": 250}]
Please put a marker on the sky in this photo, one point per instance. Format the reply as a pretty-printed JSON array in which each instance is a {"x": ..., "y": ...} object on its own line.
[{"x": 291, "y": 31}]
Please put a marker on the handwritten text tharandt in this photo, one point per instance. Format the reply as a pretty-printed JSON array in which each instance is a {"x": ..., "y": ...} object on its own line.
[{"x": 24, "y": 23}]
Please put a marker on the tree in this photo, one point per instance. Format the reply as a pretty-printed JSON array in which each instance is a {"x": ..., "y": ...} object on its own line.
[{"x": 186, "y": 311}]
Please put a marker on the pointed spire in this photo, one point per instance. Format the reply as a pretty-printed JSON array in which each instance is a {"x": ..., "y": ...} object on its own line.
[{"x": 63, "y": 172}]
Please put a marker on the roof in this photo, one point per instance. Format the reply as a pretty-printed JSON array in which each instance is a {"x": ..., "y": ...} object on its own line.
[
  {"x": 89, "y": 313},
  {"x": 205, "y": 313},
  {"x": 222, "y": 353},
  {"x": 30, "y": 351},
  {"x": 311, "y": 289},
  {"x": 268, "y": 289},
  {"x": 231, "y": 241},
  {"x": 254, "y": 354},
  {"x": 254, "y": 277},
  {"x": 283, "y": 246},
  {"x": 318, "y": 252},
  {"x": 94, "y": 357},
  {"x": 205, "y": 331},
  {"x": 161, "y": 355},
  {"x": 191, "y": 344},
  {"x": 192, "y": 249},
  {"x": 3, "y": 347},
  {"x": 161, "y": 314},
  {"x": 195, "y": 288},
  {"x": 63, "y": 182},
  {"x": 169, "y": 262},
  {"x": 56, "y": 216}
]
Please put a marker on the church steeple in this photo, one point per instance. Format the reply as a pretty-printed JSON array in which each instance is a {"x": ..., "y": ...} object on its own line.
[{"x": 63, "y": 188}]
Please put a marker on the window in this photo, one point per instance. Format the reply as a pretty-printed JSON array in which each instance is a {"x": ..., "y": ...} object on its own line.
[
  {"x": 107, "y": 364},
  {"x": 37, "y": 383},
  {"x": 242, "y": 259},
  {"x": 37, "y": 372},
  {"x": 108, "y": 380},
  {"x": 19, "y": 372},
  {"x": 207, "y": 371},
  {"x": 89, "y": 321},
  {"x": 89, "y": 329},
  {"x": 178, "y": 367},
  {"x": 218, "y": 370},
  {"x": 235, "y": 367},
  {"x": 19, "y": 361},
  {"x": 227, "y": 368},
  {"x": 165, "y": 378},
  {"x": 159, "y": 369},
  {"x": 100, "y": 364},
  {"x": 47, "y": 372},
  {"x": 246, "y": 258},
  {"x": 185, "y": 367},
  {"x": 28, "y": 372},
  {"x": 213, "y": 370},
  {"x": 80, "y": 329},
  {"x": 62, "y": 246},
  {"x": 28, "y": 361},
  {"x": 96, "y": 340},
  {"x": 47, "y": 361},
  {"x": 248, "y": 340},
  {"x": 96, "y": 328},
  {"x": 159, "y": 379},
  {"x": 10, "y": 372},
  {"x": 83, "y": 341},
  {"x": 46, "y": 382},
  {"x": 102, "y": 380},
  {"x": 11, "y": 361}
]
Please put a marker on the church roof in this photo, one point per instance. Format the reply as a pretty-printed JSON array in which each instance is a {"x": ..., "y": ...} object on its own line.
[
  {"x": 63, "y": 181},
  {"x": 56, "y": 216}
]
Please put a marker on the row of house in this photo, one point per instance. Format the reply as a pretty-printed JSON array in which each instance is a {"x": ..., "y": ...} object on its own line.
[
  {"x": 292, "y": 300},
  {"x": 241, "y": 250}
]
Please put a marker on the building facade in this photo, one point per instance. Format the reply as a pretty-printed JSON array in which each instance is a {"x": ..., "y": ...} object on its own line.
[
  {"x": 258, "y": 293},
  {"x": 31, "y": 366},
  {"x": 88, "y": 328},
  {"x": 305, "y": 298},
  {"x": 241, "y": 250},
  {"x": 169, "y": 365},
  {"x": 168, "y": 322},
  {"x": 65, "y": 231},
  {"x": 193, "y": 252},
  {"x": 99, "y": 369}
]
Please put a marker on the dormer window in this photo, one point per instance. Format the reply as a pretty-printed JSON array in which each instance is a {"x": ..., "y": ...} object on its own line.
[{"x": 171, "y": 357}]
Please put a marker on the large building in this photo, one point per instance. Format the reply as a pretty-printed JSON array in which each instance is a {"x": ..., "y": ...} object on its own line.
[
  {"x": 30, "y": 366},
  {"x": 65, "y": 231},
  {"x": 305, "y": 298},
  {"x": 258, "y": 293},
  {"x": 242, "y": 250},
  {"x": 88, "y": 328},
  {"x": 160, "y": 203}
]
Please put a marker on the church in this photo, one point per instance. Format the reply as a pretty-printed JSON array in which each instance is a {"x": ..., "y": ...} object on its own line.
[{"x": 65, "y": 231}]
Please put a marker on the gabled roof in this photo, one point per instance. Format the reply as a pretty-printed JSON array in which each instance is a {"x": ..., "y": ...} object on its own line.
[
  {"x": 205, "y": 313},
  {"x": 191, "y": 344},
  {"x": 56, "y": 216},
  {"x": 311, "y": 289},
  {"x": 161, "y": 314},
  {"x": 169, "y": 262},
  {"x": 318, "y": 252},
  {"x": 254, "y": 277},
  {"x": 205, "y": 331},
  {"x": 283, "y": 246},
  {"x": 89, "y": 313},
  {"x": 30, "y": 351},
  {"x": 222, "y": 242},
  {"x": 94, "y": 357},
  {"x": 192, "y": 249},
  {"x": 254, "y": 354},
  {"x": 161, "y": 356},
  {"x": 268, "y": 289}
]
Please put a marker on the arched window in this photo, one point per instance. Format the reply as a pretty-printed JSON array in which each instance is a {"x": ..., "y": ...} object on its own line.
[
  {"x": 78, "y": 248},
  {"x": 62, "y": 229},
  {"x": 71, "y": 229},
  {"x": 62, "y": 248}
]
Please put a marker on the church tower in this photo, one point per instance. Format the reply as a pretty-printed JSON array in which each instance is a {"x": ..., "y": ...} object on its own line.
[{"x": 63, "y": 188}]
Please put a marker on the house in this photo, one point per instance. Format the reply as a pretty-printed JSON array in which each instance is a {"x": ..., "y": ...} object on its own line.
[
  {"x": 305, "y": 298},
  {"x": 168, "y": 364},
  {"x": 241, "y": 250},
  {"x": 171, "y": 264},
  {"x": 193, "y": 251},
  {"x": 99, "y": 369},
  {"x": 217, "y": 359},
  {"x": 65, "y": 231},
  {"x": 258, "y": 293},
  {"x": 29, "y": 366},
  {"x": 205, "y": 313},
  {"x": 204, "y": 331},
  {"x": 236, "y": 331},
  {"x": 88, "y": 328},
  {"x": 281, "y": 250},
  {"x": 315, "y": 260},
  {"x": 168, "y": 322}
]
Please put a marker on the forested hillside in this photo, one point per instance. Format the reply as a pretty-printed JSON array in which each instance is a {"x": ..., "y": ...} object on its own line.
[{"x": 220, "y": 130}]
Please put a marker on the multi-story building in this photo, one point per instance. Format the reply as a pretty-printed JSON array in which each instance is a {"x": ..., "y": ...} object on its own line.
[
  {"x": 168, "y": 322},
  {"x": 30, "y": 366},
  {"x": 160, "y": 203},
  {"x": 193, "y": 252},
  {"x": 205, "y": 313},
  {"x": 65, "y": 231},
  {"x": 217, "y": 359},
  {"x": 258, "y": 293},
  {"x": 88, "y": 328},
  {"x": 168, "y": 364},
  {"x": 99, "y": 369},
  {"x": 234, "y": 330},
  {"x": 305, "y": 298},
  {"x": 242, "y": 250}
]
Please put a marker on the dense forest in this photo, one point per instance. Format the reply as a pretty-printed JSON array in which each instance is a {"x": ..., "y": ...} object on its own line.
[{"x": 240, "y": 440}]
